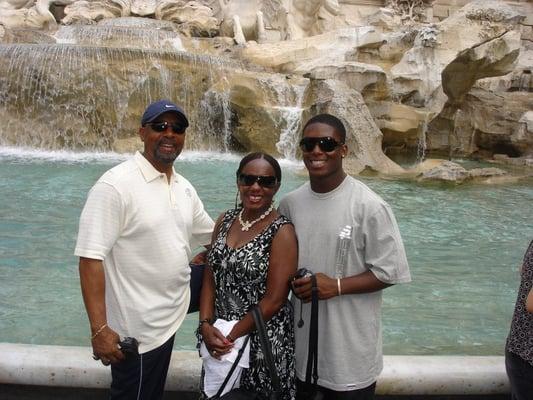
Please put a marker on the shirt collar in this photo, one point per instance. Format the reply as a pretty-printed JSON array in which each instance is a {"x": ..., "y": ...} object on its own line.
[{"x": 147, "y": 169}]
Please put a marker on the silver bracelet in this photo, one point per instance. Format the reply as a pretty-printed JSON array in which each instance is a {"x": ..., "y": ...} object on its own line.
[{"x": 339, "y": 286}]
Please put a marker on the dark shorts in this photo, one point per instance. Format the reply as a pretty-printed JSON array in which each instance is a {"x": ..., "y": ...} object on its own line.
[
  {"x": 520, "y": 374},
  {"x": 142, "y": 377},
  {"x": 302, "y": 393}
]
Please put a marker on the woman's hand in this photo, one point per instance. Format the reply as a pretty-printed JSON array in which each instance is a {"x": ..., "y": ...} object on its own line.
[{"x": 215, "y": 341}]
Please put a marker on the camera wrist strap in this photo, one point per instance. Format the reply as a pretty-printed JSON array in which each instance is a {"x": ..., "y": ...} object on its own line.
[{"x": 312, "y": 356}]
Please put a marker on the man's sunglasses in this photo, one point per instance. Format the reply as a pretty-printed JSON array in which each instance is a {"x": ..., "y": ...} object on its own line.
[
  {"x": 163, "y": 126},
  {"x": 263, "y": 181},
  {"x": 326, "y": 144}
]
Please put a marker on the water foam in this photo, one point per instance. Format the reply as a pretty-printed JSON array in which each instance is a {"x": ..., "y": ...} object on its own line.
[
  {"x": 36, "y": 155},
  {"x": 28, "y": 154}
]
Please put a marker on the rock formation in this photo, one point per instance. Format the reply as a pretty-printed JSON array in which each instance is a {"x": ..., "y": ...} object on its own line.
[{"x": 250, "y": 71}]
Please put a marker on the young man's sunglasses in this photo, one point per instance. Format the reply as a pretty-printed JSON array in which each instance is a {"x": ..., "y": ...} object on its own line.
[
  {"x": 326, "y": 144},
  {"x": 263, "y": 181},
  {"x": 163, "y": 126}
]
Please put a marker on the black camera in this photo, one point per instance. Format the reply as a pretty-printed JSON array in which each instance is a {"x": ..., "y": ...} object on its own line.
[
  {"x": 302, "y": 273},
  {"x": 129, "y": 346}
]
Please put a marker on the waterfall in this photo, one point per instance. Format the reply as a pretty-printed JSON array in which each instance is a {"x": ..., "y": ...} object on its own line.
[
  {"x": 422, "y": 141},
  {"x": 215, "y": 116},
  {"x": 68, "y": 96},
  {"x": 119, "y": 36},
  {"x": 288, "y": 138},
  {"x": 525, "y": 81},
  {"x": 290, "y": 121},
  {"x": 86, "y": 91},
  {"x": 454, "y": 134}
]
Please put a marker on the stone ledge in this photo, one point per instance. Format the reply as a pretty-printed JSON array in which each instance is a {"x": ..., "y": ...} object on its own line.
[{"x": 69, "y": 366}]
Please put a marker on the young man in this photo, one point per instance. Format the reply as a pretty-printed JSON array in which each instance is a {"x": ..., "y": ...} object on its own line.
[
  {"x": 135, "y": 239},
  {"x": 349, "y": 321}
]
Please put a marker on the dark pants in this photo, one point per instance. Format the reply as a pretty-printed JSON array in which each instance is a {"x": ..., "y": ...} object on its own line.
[
  {"x": 367, "y": 393},
  {"x": 142, "y": 377},
  {"x": 520, "y": 374}
]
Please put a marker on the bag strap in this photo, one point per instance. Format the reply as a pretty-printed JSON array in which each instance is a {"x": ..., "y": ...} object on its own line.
[
  {"x": 312, "y": 356},
  {"x": 235, "y": 363},
  {"x": 267, "y": 349}
]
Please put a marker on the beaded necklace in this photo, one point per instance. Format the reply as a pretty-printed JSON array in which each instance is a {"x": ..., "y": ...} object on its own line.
[{"x": 246, "y": 225}]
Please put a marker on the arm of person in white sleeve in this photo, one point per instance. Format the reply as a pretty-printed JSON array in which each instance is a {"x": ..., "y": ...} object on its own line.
[{"x": 100, "y": 225}]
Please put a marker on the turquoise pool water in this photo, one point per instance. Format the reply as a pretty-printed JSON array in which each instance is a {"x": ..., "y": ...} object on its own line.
[{"x": 464, "y": 245}]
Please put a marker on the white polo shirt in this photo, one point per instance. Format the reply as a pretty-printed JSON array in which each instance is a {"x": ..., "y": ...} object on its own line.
[{"x": 144, "y": 229}]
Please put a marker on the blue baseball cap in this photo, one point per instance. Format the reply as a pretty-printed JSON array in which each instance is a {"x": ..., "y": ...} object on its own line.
[{"x": 157, "y": 108}]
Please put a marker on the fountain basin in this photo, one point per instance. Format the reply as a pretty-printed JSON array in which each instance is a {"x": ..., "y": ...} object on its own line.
[{"x": 73, "y": 367}]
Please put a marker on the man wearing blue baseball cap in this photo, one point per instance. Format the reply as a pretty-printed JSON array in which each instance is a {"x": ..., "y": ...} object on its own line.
[{"x": 137, "y": 231}]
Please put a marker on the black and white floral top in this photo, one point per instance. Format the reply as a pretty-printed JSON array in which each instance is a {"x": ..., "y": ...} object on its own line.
[
  {"x": 240, "y": 280},
  {"x": 520, "y": 340}
]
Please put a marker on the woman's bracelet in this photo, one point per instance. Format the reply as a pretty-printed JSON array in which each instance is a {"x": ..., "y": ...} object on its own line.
[
  {"x": 98, "y": 331},
  {"x": 204, "y": 321},
  {"x": 230, "y": 338},
  {"x": 339, "y": 292}
]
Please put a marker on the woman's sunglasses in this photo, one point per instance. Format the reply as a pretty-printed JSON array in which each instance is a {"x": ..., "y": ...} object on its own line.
[
  {"x": 326, "y": 144},
  {"x": 163, "y": 126},
  {"x": 263, "y": 181}
]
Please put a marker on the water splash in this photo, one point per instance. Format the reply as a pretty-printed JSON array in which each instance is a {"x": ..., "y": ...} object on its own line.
[{"x": 31, "y": 155}]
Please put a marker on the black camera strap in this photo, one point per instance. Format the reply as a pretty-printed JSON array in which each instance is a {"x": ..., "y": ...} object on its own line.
[{"x": 312, "y": 356}]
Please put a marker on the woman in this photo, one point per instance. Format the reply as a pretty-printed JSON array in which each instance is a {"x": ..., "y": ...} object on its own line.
[
  {"x": 519, "y": 348},
  {"x": 253, "y": 255}
]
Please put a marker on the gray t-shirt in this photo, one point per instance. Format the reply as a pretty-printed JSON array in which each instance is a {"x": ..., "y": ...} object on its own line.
[{"x": 349, "y": 339}]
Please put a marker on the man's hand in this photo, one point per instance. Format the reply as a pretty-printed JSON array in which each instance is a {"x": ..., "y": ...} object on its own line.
[
  {"x": 327, "y": 287},
  {"x": 105, "y": 347}
]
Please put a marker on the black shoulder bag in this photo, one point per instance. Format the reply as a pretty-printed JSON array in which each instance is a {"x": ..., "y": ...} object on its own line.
[
  {"x": 245, "y": 394},
  {"x": 197, "y": 277}
]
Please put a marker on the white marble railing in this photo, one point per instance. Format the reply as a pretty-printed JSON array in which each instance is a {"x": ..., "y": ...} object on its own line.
[{"x": 65, "y": 366}]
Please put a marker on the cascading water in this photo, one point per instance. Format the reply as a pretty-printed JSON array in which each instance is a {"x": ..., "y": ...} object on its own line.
[
  {"x": 421, "y": 147},
  {"x": 291, "y": 117},
  {"x": 119, "y": 36},
  {"x": 68, "y": 96},
  {"x": 453, "y": 137},
  {"x": 86, "y": 91},
  {"x": 215, "y": 110},
  {"x": 288, "y": 138}
]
